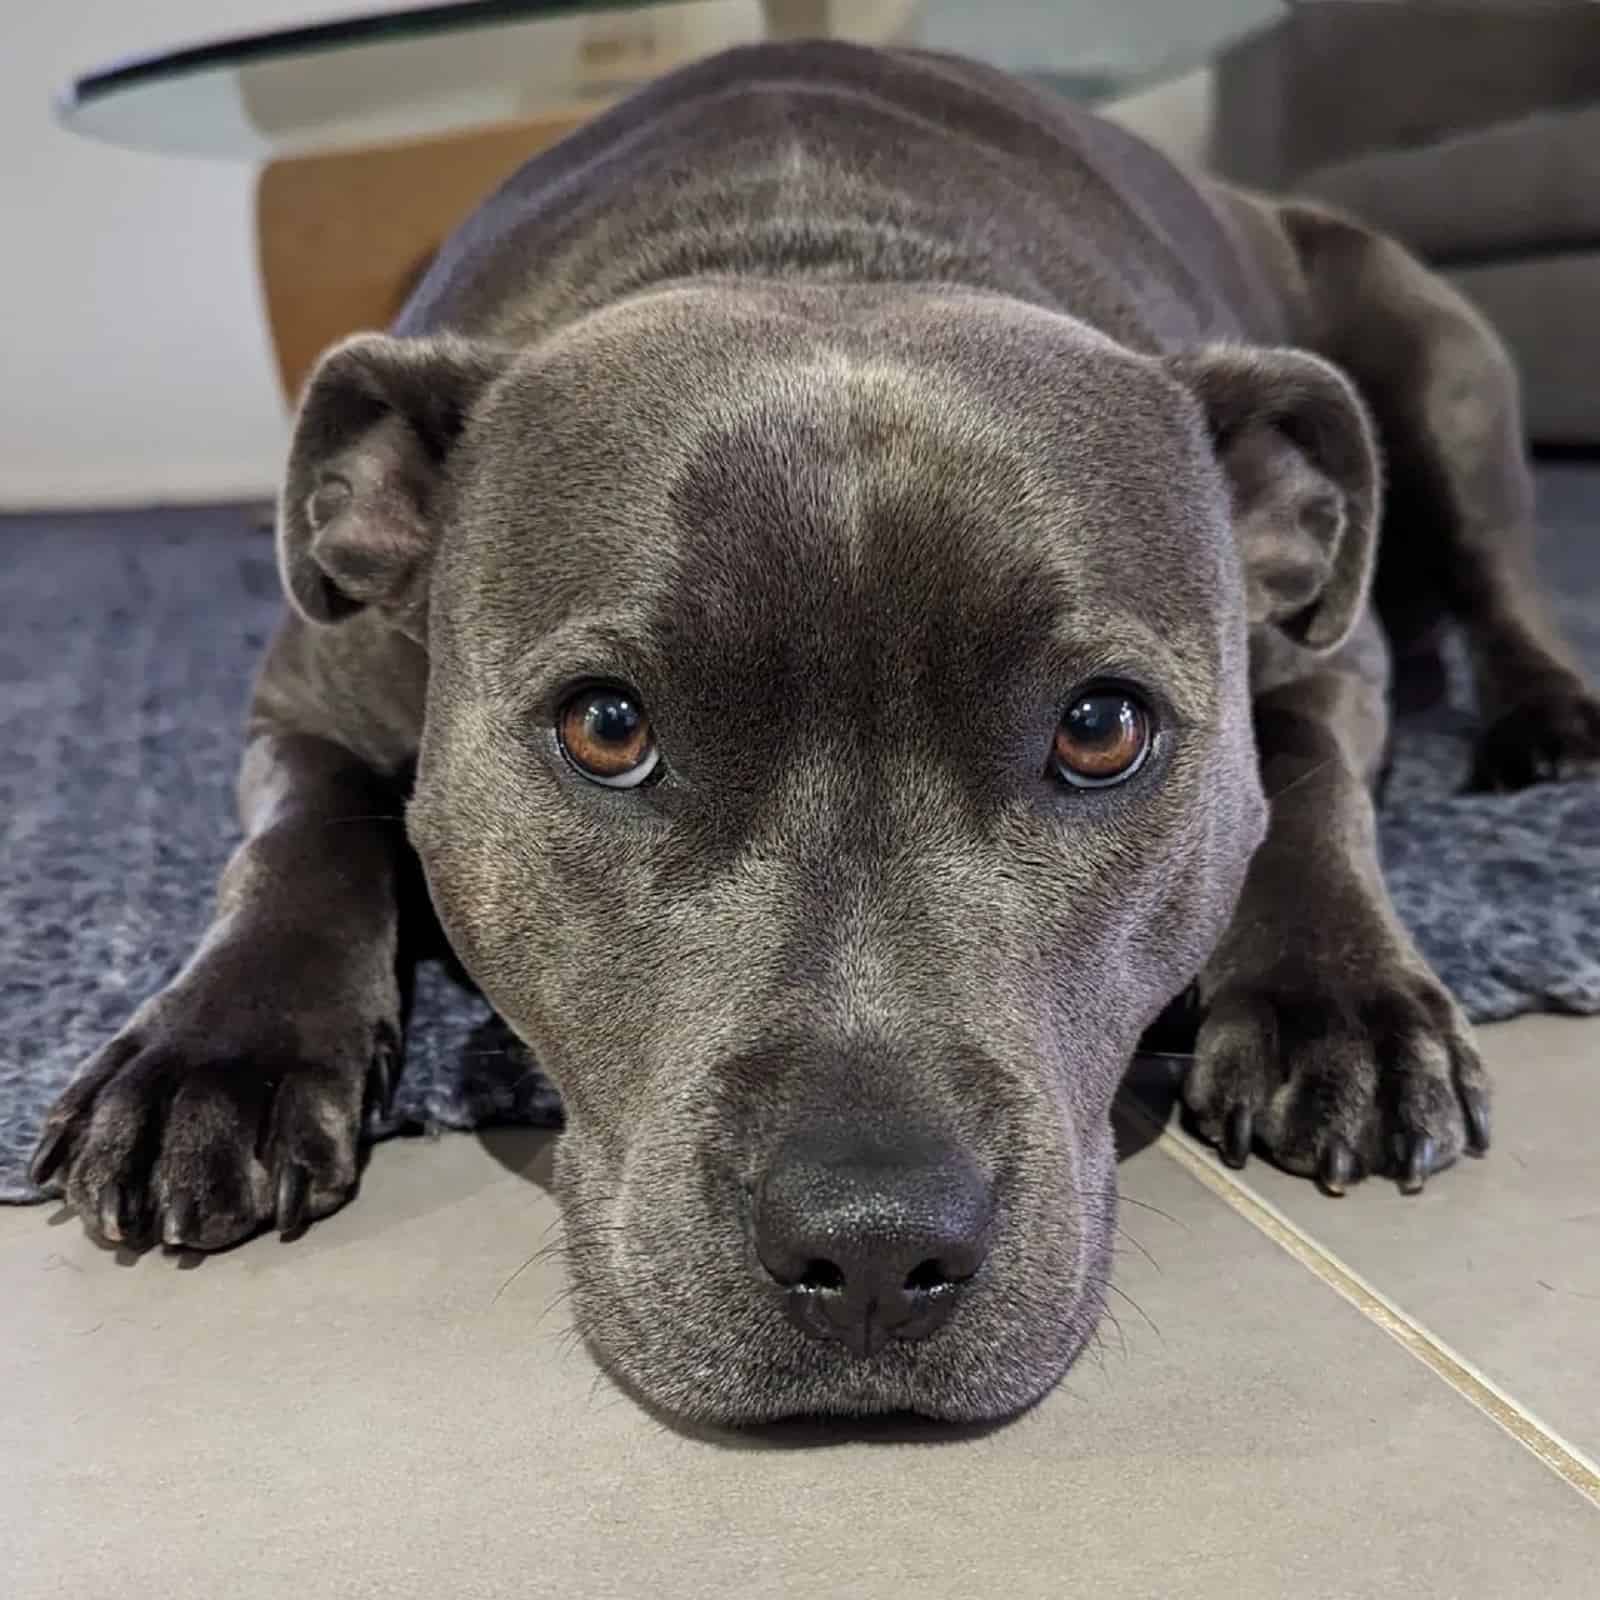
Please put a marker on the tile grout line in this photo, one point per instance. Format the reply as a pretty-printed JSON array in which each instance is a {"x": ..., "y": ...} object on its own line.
[{"x": 1564, "y": 1459}]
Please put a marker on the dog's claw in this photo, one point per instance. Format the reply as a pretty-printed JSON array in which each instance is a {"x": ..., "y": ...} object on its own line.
[
  {"x": 121, "y": 1214},
  {"x": 294, "y": 1186},
  {"x": 1237, "y": 1133},
  {"x": 1476, "y": 1104},
  {"x": 381, "y": 1076},
  {"x": 179, "y": 1226},
  {"x": 1337, "y": 1168},
  {"x": 50, "y": 1155},
  {"x": 1418, "y": 1164},
  {"x": 113, "y": 1210}
]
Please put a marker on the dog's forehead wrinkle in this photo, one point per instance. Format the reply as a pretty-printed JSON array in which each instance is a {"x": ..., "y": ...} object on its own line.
[{"x": 883, "y": 499}]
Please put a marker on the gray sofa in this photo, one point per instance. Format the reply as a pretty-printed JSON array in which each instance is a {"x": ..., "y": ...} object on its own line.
[{"x": 1468, "y": 129}]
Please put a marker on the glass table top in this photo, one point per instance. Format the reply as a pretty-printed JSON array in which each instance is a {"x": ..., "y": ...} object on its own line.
[{"x": 407, "y": 73}]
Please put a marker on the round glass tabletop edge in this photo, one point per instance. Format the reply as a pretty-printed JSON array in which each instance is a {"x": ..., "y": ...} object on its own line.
[{"x": 237, "y": 50}]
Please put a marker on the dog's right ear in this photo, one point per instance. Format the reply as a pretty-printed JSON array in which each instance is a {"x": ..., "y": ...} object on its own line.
[{"x": 368, "y": 467}]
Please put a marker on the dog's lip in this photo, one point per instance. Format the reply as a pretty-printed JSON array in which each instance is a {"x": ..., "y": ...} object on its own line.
[{"x": 821, "y": 1379}]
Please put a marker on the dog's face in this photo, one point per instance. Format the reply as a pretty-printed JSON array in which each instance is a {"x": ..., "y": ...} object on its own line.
[{"x": 766, "y": 669}]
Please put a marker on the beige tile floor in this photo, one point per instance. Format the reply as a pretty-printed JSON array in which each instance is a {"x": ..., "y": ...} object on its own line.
[{"x": 372, "y": 1411}]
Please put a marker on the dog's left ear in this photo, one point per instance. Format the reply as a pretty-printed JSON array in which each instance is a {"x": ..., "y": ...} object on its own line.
[{"x": 1301, "y": 459}]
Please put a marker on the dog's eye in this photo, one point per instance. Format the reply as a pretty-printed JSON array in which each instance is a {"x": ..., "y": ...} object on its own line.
[
  {"x": 607, "y": 737},
  {"x": 1103, "y": 739}
]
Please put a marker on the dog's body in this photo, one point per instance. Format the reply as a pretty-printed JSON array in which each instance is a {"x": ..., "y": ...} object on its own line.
[{"x": 861, "y": 417}]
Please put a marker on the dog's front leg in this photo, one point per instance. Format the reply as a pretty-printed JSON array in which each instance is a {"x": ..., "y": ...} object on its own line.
[
  {"x": 234, "y": 1097},
  {"x": 1327, "y": 1041}
]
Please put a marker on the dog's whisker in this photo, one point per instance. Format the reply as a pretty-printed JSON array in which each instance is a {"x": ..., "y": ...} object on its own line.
[
  {"x": 605, "y": 1372},
  {"x": 559, "y": 1298},
  {"x": 514, "y": 1276},
  {"x": 1124, "y": 1234},
  {"x": 1303, "y": 777},
  {"x": 1109, "y": 1316},
  {"x": 577, "y": 1238},
  {"x": 1122, "y": 1294},
  {"x": 568, "y": 1341},
  {"x": 1144, "y": 1205}
]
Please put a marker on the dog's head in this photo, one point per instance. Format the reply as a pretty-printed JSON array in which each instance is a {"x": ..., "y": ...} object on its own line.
[{"x": 837, "y": 751}]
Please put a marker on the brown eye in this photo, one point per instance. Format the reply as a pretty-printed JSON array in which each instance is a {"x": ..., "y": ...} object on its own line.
[
  {"x": 1103, "y": 739},
  {"x": 608, "y": 738}
]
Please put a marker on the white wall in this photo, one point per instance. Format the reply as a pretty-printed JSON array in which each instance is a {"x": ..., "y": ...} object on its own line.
[
  {"x": 134, "y": 364},
  {"x": 1177, "y": 116}
]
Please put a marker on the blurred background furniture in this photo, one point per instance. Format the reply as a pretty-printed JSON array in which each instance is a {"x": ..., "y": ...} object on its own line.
[{"x": 1469, "y": 129}]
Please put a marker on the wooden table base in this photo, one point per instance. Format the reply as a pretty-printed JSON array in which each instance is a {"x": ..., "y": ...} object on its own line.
[{"x": 341, "y": 238}]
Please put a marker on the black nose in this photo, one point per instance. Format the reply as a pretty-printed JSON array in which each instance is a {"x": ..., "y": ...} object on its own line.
[{"x": 871, "y": 1238}]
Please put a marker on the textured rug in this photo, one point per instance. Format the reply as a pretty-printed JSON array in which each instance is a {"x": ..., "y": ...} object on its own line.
[{"x": 126, "y": 649}]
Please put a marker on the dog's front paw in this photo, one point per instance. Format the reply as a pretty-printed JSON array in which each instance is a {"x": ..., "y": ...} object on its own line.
[
  {"x": 1337, "y": 1077},
  {"x": 213, "y": 1114},
  {"x": 1554, "y": 736}
]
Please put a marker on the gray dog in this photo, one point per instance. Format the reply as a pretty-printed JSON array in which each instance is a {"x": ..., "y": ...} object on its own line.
[{"x": 857, "y": 574}]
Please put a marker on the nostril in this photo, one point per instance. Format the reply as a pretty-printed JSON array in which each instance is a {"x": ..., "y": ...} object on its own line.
[
  {"x": 926, "y": 1277},
  {"x": 819, "y": 1274}
]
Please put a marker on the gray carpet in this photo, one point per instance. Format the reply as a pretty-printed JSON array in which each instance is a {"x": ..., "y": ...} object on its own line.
[{"x": 126, "y": 648}]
